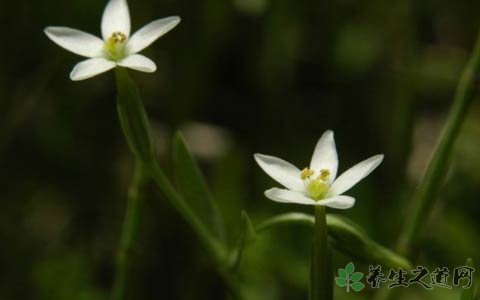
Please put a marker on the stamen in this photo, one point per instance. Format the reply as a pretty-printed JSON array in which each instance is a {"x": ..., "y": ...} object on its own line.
[
  {"x": 115, "y": 46},
  {"x": 117, "y": 37},
  {"x": 306, "y": 173},
  {"x": 324, "y": 174},
  {"x": 317, "y": 188}
]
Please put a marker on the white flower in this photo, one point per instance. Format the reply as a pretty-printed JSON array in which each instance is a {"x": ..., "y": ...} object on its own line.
[
  {"x": 117, "y": 48},
  {"x": 316, "y": 185}
]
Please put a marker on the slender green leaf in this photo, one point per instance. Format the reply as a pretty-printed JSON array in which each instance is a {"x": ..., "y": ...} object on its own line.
[
  {"x": 193, "y": 186},
  {"x": 248, "y": 229},
  {"x": 349, "y": 238},
  {"x": 345, "y": 236},
  {"x": 247, "y": 236},
  {"x": 286, "y": 219},
  {"x": 426, "y": 194},
  {"x": 216, "y": 248}
]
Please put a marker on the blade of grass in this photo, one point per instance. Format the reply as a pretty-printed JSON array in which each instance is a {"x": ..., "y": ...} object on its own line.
[
  {"x": 194, "y": 188},
  {"x": 426, "y": 194},
  {"x": 247, "y": 235},
  {"x": 215, "y": 248}
]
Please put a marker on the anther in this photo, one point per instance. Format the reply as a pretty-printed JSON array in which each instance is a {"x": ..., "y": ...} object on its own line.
[
  {"x": 324, "y": 174},
  {"x": 117, "y": 37},
  {"x": 306, "y": 173}
]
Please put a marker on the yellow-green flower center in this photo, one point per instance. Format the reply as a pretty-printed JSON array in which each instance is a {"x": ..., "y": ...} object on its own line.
[
  {"x": 317, "y": 188},
  {"x": 115, "y": 46}
]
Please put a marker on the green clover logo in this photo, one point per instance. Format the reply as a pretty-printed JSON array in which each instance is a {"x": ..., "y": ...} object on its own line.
[{"x": 349, "y": 278}]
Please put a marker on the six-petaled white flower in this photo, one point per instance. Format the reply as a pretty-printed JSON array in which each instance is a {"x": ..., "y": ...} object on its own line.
[
  {"x": 316, "y": 184},
  {"x": 117, "y": 48}
]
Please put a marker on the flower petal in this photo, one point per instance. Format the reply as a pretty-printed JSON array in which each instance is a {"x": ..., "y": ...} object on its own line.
[
  {"x": 283, "y": 172},
  {"x": 116, "y": 18},
  {"x": 339, "y": 202},
  {"x": 138, "y": 62},
  {"x": 91, "y": 67},
  {"x": 150, "y": 33},
  {"x": 353, "y": 175},
  {"x": 287, "y": 196},
  {"x": 325, "y": 155},
  {"x": 76, "y": 41}
]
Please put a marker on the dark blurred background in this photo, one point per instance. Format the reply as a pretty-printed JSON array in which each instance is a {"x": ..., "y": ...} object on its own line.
[{"x": 237, "y": 77}]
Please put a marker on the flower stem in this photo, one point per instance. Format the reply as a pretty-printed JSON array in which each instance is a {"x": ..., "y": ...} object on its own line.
[
  {"x": 136, "y": 128},
  {"x": 321, "y": 286},
  {"x": 129, "y": 233},
  {"x": 426, "y": 194}
]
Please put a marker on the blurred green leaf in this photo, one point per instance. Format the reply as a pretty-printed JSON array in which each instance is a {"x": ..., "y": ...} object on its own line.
[
  {"x": 193, "y": 186},
  {"x": 425, "y": 196},
  {"x": 65, "y": 277},
  {"x": 350, "y": 239}
]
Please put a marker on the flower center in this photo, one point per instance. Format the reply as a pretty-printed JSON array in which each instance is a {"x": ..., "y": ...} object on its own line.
[
  {"x": 115, "y": 46},
  {"x": 317, "y": 188}
]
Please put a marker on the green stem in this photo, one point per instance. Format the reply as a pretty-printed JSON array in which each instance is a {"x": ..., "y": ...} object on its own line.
[
  {"x": 425, "y": 196},
  {"x": 129, "y": 233},
  {"x": 321, "y": 287},
  {"x": 133, "y": 118},
  {"x": 136, "y": 128}
]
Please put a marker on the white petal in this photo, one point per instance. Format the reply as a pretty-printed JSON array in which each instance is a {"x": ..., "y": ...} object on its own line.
[
  {"x": 283, "y": 172},
  {"x": 116, "y": 18},
  {"x": 287, "y": 196},
  {"x": 76, "y": 41},
  {"x": 325, "y": 155},
  {"x": 353, "y": 175},
  {"x": 339, "y": 202},
  {"x": 91, "y": 67},
  {"x": 138, "y": 62},
  {"x": 150, "y": 33}
]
